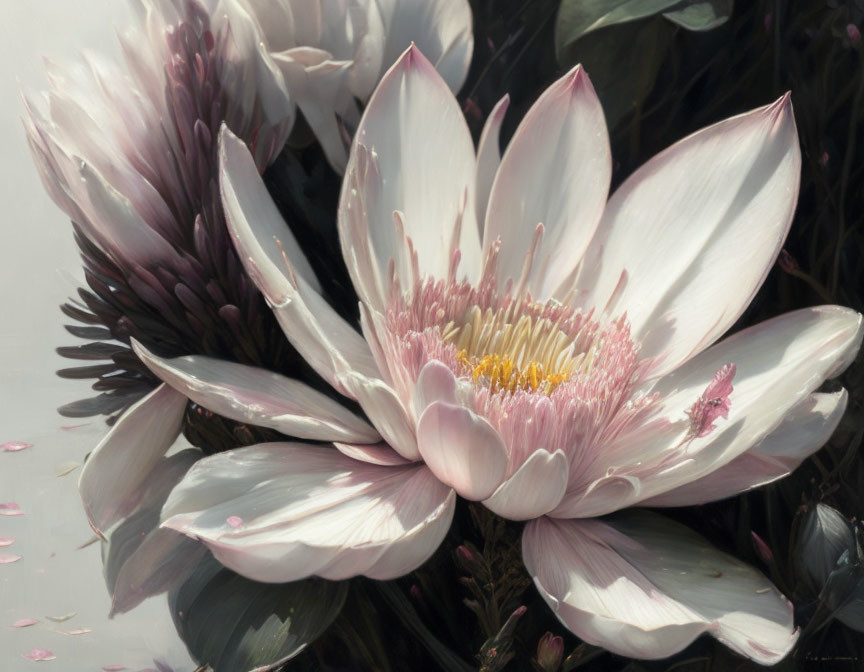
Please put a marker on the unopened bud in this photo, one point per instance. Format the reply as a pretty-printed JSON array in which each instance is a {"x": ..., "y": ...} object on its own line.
[
  {"x": 854, "y": 34},
  {"x": 465, "y": 553},
  {"x": 762, "y": 549},
  {"x": 787, "y": 262},
  {"x": 550, "y": 651}
]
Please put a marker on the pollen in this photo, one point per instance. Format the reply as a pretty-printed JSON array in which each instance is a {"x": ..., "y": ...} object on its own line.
[{"x": 531, "y": 351}]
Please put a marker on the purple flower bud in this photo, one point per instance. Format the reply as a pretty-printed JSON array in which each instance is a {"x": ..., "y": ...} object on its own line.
[
  {"x": 762, "y": 549},
  {"x": 854, "y": 34}
]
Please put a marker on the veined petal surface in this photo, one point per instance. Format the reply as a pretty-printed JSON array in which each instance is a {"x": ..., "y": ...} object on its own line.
[
  {"x": 643, "y": 586},
  {"x": 300, "y": 510}
]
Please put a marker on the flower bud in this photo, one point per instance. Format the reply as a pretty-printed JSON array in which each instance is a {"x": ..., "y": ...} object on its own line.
[{"x": 550, "y": 651}]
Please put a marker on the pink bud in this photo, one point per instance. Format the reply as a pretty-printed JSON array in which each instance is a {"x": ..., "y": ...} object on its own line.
[
  {"x": 823, "y": 160},
  {"x": 854, "y": 34},
  {"x": 762, "y": 549},
  {"x": 465, "y": 554},
  {"x": 550, "y": 651},
  {"x": 415, "y": 592},
  {"x": 787, "y": 262}
]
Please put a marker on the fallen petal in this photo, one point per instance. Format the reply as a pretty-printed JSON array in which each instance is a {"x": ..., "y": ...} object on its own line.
[
  {"x": 114, "y": 668},
  {"x": 25, "y": 622},
  {"x": 9, "y": 559},
  {"x": 66, "y": 468},
  {"x": 10, "y": 509},
  {"x": 64, "y": 617},
  {"x": 6, "y": 541},
  {"x": 14, "y": 446},
  {"x": 39, "y": 655},
  {"x": 82, "y": 631}
]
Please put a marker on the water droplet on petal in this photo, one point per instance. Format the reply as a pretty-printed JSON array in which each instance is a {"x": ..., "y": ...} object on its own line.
[{"x": 234, "y": 521}]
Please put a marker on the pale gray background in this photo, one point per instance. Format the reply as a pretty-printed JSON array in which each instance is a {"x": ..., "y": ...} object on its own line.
[{"x": 38, "y": 265}]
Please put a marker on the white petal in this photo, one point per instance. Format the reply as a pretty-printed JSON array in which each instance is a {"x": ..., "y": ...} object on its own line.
[
  {"x": 320, "y": 87},
  {"x": 328, "y": 343},
  {"x": 262, "y": 237},
  {"x": 489, "y": 157},
  {"x": 386, "y": 412},
  {"x": 116, "y": 470},
  {"x": 804, "y": 431},
  {"x": 779, "y": 363},
  {"x": 732, "y": 182},
  {"x": 412, "y": 154},
  {"x": 534, "y": 489},
  {"x": 462, "y": 449},
  {"x": 643, "y": 586},
  {"x": 441, "y": 29},
  {"x": 372, "y": 453},
  {"x": 436, "y": 382},
  {"x": 309, "y": 510},
  {"x": 555, "y": 172},
  {"x": 260, "y": 397}
]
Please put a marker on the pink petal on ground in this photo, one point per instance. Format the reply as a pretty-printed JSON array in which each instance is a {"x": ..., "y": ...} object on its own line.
[
  {"x": 10, "y": 509},
  {"x": 39, "y": 655},
  {"x": 81, "y": 631},
  {"x": 14, "y": 446},
  {"x": 25, "y": 622},
  {"x": 63, "y": 618},
  {"x": 8, "y": 559},
  {"x": 234, "y": 521},
  {"x": 114, "y": 668},
  {"x": 6, "y": 541}
]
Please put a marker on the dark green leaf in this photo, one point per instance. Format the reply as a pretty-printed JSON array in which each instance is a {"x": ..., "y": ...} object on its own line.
[
  {"x": 702, "y": 15},
  {"x": 577, "y": 18},
  {"x": 622, "y": 62},
  {"x": 826, "y": 536},
  {"x": 235, "y": 625}
]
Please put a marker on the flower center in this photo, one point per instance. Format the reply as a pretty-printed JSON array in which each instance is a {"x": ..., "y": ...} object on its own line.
[{"x": 533, "y": 351}]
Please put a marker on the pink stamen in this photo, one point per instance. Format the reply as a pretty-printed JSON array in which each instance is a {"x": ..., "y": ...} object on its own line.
[{"x": 714, "y": 403}]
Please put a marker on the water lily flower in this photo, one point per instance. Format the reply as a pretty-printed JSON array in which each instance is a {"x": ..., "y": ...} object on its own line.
[
  {"x": 528, "y": 344},
  {"x": 128, "y": 152}
]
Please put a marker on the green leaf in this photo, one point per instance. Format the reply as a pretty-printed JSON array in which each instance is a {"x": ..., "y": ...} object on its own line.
[
  {"x": 622, "y": 62},
  {"x": 702, "y": 14},
  {"x": 235, "y": 625},
  {"x": 577, "y": 18}
]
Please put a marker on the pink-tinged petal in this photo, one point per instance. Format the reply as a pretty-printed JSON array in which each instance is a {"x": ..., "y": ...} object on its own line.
[
  {"x": 6, "y": 541},
  {"x": 330, "y": 345},
  {"x": 234, "y": 521},
  {"x": 10, "y": 509},
  {"x": 162, "y": 561},
  {"x": 411, "y": 114},
  {"x": 80, "y": 631},
  {"x": 778, "y": 364},
  {"x": 534, "y": 489},
  {"x": 309, "y": 510},
  {"x": 555, "y": 172},
  {"x": 372, "y": 453},
  {"x": 260, "y": 397},
  {"x": 127, "y": 455},
  {"x": 260, "y": 234},
  {"x": 462, "y": 449},
  {"x": 39, "y": 655},
  {"x": 7, "y": 559},
  {"x": 386, "y": 412},
  {"x": 116, "y": 227},
  {"x": 14, "y": 446},
  {"x": 25, "y": 622},
  {"x": 441, "y": 29},
  {"x": 436, "y": 382},
  {"x": 114, "y": 668},
  {"x": 488, "y": 158},
  {"x": 643, "y": 586},
  {"x": 736, "y": 180},
  {"x": 804, "y": 431}
]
